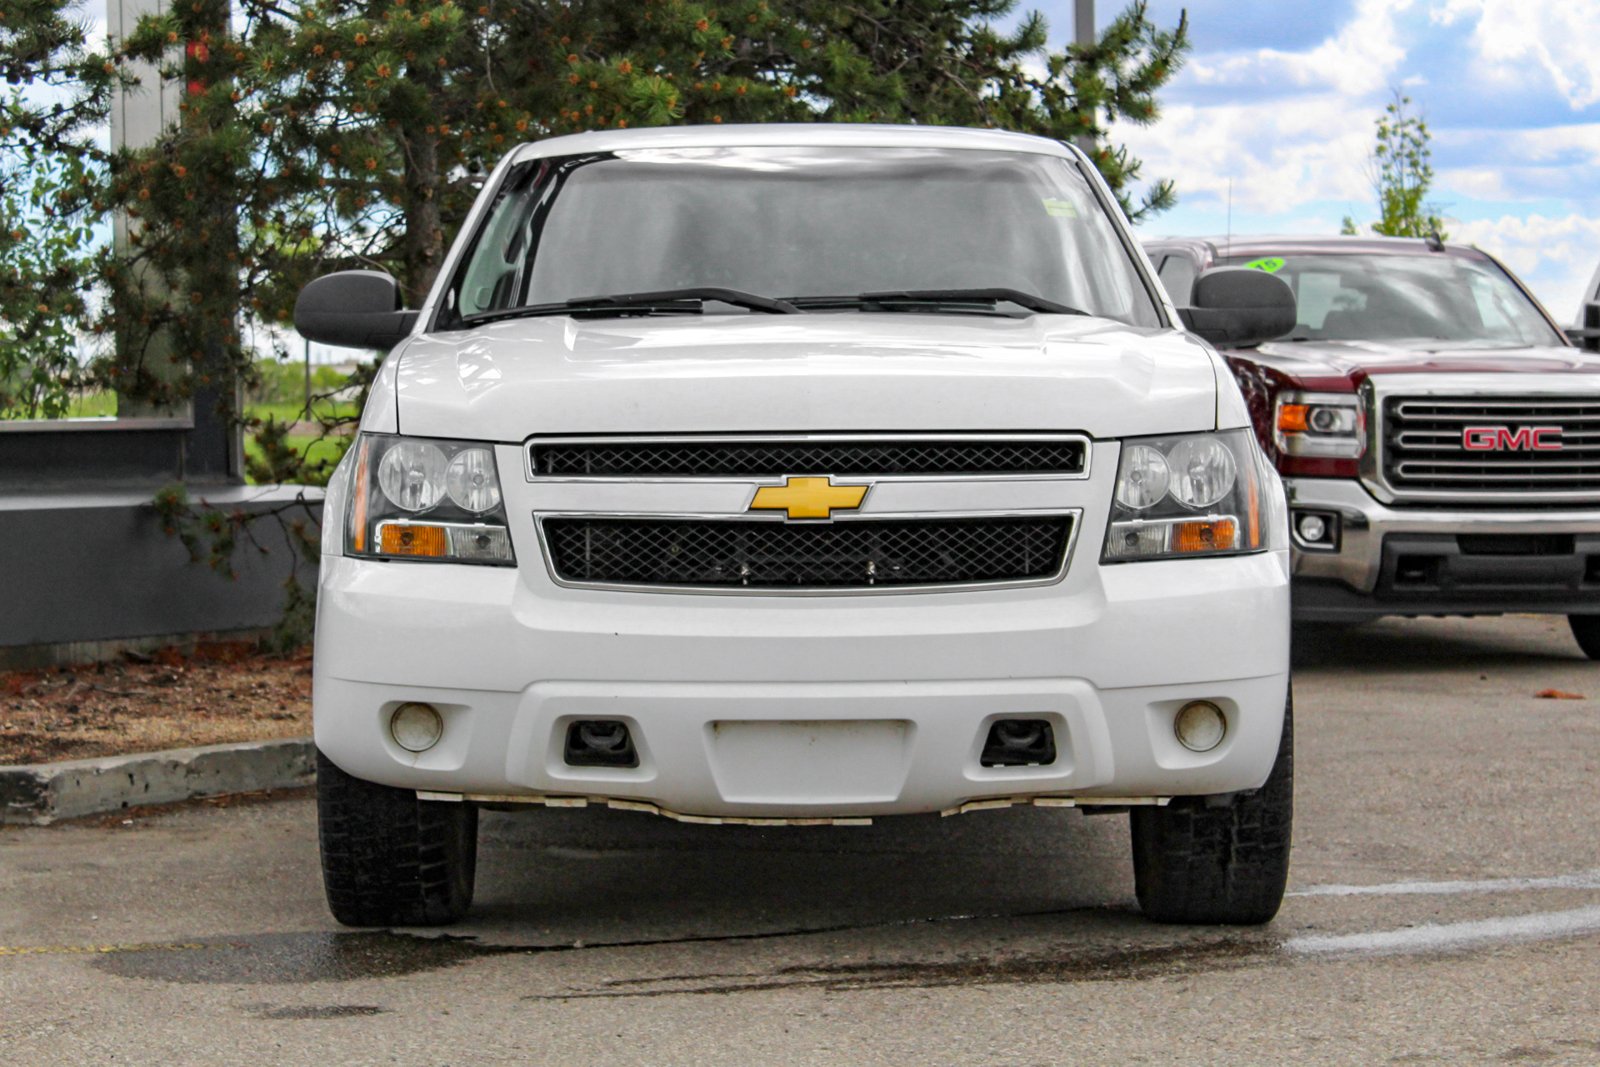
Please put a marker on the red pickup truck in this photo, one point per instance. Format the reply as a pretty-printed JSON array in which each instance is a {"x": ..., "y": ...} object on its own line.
[{"x": 1437, "y": 433}]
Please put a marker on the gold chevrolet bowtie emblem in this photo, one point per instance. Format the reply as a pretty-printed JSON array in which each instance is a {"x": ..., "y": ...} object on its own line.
[{"x": 808, "y": 498}]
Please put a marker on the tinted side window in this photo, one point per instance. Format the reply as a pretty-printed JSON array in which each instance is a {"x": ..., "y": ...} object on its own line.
[{"x": 1178, "y": 274}]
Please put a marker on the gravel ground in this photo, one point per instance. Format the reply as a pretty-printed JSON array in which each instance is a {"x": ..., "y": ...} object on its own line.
[{"x": 215, "y": 694}]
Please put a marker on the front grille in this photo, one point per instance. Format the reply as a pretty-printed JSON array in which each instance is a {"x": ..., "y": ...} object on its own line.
[
  {"x": 855, "y": 554},
  {"x": 1424, "y": 450},
  {"x": 735, "y": 458}
]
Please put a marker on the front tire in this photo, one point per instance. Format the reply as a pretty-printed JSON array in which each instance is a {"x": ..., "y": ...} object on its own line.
[
  {"x": 389, "y": 859},
  {"x": 1586, "y": 628},
  {"x": 1194, "y": 863}
]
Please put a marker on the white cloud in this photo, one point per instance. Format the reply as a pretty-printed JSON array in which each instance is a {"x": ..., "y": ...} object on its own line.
[
  {"x": 1278, "y": 157},
  {"x": 1528, "y": 165},
  {"x": 1515, "y": 37},
  {"x": 1360, "y": 59},
  {"x": 1555, "y": 256},
  {"x": 1281, "y": 150}
]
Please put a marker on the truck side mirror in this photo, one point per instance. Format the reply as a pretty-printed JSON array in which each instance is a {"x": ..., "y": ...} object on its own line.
[
  {"x": 1587, "y": 335},
  {"x": 353, "y": 309},
  {"x": 1240, "y": 307}
]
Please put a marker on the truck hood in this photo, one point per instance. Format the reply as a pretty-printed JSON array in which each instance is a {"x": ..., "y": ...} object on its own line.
[
  {"x": 803, "y": 373},
  {"x": 1343, "y": 365}
]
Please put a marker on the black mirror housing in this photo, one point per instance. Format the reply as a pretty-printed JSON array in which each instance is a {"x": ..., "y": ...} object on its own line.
[
  {"x": 1588, "y": 335},
  {"x": 353, "y": 309},
  {"x": 1239, "y": 307}
]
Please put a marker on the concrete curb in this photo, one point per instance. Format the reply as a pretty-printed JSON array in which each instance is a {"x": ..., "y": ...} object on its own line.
[{"x": 40, "y": 793}]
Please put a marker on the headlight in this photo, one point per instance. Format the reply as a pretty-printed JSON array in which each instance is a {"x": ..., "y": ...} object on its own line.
[
  {"x": 1322, "y": 425},
  {"x": 413, "y": 498},
  {"x": 1206, "y": 499},
  {"x": 1143, "y": 477}
]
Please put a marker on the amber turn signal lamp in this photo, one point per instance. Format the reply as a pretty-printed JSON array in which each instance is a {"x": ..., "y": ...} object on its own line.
[
  {"x": 1205, "y": 535},
  {"x": 412, "y": 539},
  {"x": 1294, "y": 418}
]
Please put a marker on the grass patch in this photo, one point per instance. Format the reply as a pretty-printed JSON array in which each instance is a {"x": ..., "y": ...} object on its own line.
[
  {"x": 289, "y": 411},
  {"x": 315, "y": 449}
]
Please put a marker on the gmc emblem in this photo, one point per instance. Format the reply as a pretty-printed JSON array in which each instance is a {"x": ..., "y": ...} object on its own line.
[{"x": 1505, "y": 439}]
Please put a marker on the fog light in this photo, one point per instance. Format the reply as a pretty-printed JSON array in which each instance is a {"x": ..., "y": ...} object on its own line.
[
  {"x": 1317, "y": 530},
  {"x": 416, "y": 727},
  {"x": 1200, "y": 726}
]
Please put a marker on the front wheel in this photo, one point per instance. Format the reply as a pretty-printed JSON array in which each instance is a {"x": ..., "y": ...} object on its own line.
[
  {"x": 389, "y": 859},
  {"x": 1195, "y": 863},
  {"x": 1586, "y": 628}
]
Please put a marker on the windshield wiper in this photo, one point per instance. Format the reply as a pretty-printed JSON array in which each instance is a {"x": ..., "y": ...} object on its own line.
[
  {"x": 955, "y": 299},
  {"x": 688, "y": 301}
]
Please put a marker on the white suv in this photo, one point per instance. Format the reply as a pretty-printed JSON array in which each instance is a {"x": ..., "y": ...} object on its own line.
[{"x": 797, "y": 475}]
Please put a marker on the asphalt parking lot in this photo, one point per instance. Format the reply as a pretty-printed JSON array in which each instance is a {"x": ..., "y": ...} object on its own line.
[{"x": 1444, "y": 908}]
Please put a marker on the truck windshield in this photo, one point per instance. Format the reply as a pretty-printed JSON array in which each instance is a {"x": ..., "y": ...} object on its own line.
[
  {"x": 792, "y": 223},
  {"x": 1355, "y": 297}
]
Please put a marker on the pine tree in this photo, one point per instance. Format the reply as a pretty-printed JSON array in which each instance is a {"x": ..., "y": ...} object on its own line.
[{"x": 319, "y": 134}]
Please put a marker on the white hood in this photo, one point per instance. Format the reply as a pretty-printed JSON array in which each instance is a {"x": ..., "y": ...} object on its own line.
[{"x": 814, "y": 372}]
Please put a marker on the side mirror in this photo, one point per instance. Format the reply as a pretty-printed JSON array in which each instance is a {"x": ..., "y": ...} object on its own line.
[
  {"x": 353, "y": 309},
  {"x": 1587, "y": 335},
  {"x": 1239, "y": 307}
]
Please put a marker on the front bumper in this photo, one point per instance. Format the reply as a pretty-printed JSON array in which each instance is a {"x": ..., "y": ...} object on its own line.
[
  {"x": 805, "y": 707},
  {"x": 1440, "y": 561}
]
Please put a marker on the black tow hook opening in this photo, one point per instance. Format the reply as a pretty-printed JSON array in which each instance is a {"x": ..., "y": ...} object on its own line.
[
  {"x": 1019, "y": 743},
  {"x": 600, "y": 743}
]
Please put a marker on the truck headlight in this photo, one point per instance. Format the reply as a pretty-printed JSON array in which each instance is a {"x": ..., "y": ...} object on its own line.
[
  {"x": 1320, "y": 425},
  {"x": 416, "y": 498},
  {"x": 1190, "y": 495}
]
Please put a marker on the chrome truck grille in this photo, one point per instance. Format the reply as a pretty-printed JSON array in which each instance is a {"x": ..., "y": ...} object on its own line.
[
  {"x": 740, "y": 553},
  {"x": 1511, "y": 451}
]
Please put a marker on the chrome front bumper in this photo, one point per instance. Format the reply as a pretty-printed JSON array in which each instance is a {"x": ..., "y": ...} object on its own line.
[{"x": 1411, "y": 561}]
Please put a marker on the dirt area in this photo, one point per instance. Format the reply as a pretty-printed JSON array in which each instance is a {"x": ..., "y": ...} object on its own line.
[{"x": 213, "y": 694}]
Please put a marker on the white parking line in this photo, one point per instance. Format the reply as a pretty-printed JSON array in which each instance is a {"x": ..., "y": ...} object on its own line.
[
  {"x": 1581, "y": 880},
  {"x": 1436, "y": 937}
]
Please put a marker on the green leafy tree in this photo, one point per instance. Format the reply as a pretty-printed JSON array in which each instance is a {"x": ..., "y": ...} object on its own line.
[
  {"x": 45, "y": 271},
  {"x": 55, "y": 96},
  {"x": 1402, "y": 175}
]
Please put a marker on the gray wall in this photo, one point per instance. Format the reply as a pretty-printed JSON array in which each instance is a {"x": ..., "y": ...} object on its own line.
[{"x": 96, "y": 566}]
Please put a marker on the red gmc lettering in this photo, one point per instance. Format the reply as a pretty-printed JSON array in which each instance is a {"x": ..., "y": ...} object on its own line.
[{"x": 1505, "y": 439}]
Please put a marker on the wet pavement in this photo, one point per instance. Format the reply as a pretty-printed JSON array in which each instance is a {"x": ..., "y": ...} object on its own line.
[{"x": 1444, "y": 908}]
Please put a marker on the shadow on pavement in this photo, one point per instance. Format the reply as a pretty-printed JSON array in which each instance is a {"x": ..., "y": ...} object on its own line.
[{"x": 1441, "y": 645}]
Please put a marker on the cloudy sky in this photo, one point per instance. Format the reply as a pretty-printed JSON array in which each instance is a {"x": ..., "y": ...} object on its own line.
[{"x": 1279, "y": 98}]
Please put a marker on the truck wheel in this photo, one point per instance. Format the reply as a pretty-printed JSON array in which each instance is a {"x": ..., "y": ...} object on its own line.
[
  {"x": 1586, "y": 628},
  {"x": 1195, "y": 863},
  {"x": 389, "y": 859}
]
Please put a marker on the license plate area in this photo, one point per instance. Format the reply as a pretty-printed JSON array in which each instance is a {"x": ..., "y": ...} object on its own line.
[{"x": 810, "y": 762}]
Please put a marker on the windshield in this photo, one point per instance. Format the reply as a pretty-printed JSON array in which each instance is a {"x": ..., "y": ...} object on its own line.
[
  {"x": 797, "y": 222},
  {"x": 1433, "y": 296}
]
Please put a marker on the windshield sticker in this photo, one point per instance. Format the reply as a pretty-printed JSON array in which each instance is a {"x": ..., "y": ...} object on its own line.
[
  {"x": 1060, "y": 209},
  {"x": 1270, "y": 264}
]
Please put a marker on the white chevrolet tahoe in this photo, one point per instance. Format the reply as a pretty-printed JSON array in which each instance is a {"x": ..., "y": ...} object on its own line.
[{"x": 802, "y": 475}]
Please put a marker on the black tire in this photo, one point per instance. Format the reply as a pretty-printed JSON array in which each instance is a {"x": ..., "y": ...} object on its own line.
[
  {"x": 1229, "y": 864},
  {"x": 1586, "y": 628},
  {"x": 389, "y": 859}
]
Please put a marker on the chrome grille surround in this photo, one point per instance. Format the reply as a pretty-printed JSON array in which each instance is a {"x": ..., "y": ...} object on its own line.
[
  {"x": 679, "y": 457},
  {"x": 1415, "y": 454},
  {"x": 760, "y": 555}
]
